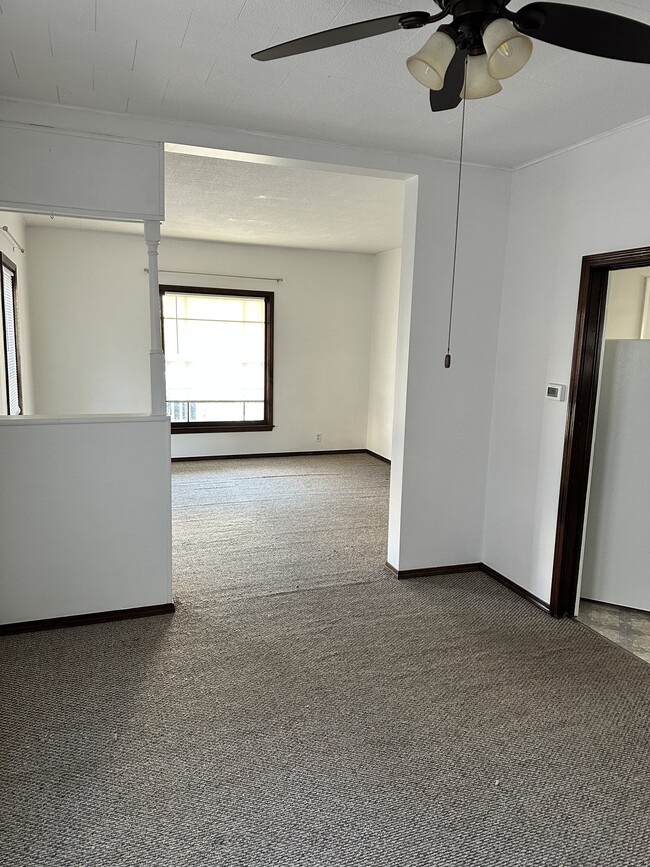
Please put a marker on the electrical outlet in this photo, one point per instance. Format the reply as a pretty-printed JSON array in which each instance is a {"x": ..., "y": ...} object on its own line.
[{"x": 318, "y": 437}]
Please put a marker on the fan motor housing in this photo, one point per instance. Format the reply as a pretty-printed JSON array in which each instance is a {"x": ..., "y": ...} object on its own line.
[{"x": 470, "y": 18}]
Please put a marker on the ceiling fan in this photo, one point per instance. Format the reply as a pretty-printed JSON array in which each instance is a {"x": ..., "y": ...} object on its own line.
[{"x": 485, "y": 42}]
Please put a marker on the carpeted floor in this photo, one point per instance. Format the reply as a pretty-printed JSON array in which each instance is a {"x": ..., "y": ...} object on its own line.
[
  {"x": 254, "y": 527},
  {"x": 302, "y": 707}
]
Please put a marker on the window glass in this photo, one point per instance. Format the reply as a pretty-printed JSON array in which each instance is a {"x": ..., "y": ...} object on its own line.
[{"x": 217, "y": 358}]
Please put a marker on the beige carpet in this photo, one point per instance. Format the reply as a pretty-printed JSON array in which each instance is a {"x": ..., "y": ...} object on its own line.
[
  {"x": 357, "y": 720},
  {"x": 273, "y": 525}
]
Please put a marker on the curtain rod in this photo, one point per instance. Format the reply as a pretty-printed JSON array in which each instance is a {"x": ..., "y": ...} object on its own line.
[
  {"x": 5, "y": 229},
  {"x": 206, "y": 274}
]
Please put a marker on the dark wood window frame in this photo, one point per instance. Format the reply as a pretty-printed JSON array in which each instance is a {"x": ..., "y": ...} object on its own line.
[
  {"x": 233, "y": 426},
  {"x": 581, "y": 418},
  {"x": 6, "y": 262}
]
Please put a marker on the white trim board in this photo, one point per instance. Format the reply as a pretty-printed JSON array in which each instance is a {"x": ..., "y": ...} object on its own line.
[{"x": 49, "y": 170}]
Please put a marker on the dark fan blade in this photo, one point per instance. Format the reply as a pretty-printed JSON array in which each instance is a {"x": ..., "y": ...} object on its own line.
[
  {"x": 348, "y": 33},
  {"x": 449, "y": 96},
  {"x": 588, "y": 30}
]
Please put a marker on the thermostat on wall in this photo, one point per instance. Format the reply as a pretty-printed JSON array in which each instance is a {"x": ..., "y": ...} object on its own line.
[{"x": 555, "y": 391}]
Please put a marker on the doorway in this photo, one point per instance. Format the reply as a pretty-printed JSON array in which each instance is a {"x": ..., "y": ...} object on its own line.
[
  {"x": 593, "y": 366},
  {"x": 323, "y": 245}
]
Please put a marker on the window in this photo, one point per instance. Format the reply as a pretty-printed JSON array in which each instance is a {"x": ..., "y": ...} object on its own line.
[
  {"x": 218, "y": 359},
  {"x": 11, "y": 357}
]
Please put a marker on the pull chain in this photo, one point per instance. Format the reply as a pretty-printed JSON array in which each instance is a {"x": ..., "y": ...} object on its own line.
[{"x": 460, "y": 179}]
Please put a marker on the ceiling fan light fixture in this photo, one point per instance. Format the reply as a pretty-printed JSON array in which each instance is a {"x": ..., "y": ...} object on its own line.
[
  {"x": 507, "y": 50},
  {"x": 430, "y": 64},
  {"x": 479, "y": 83}
]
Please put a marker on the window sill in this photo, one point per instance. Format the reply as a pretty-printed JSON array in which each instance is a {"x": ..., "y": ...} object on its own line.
[{"x": 192, "y": 427}]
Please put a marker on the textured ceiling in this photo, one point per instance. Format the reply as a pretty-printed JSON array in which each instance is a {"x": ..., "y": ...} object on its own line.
[
  {"x": 249, "y": 203},
  {"x": 189, "y": 60},
  {"x": 261, "y": 204}
]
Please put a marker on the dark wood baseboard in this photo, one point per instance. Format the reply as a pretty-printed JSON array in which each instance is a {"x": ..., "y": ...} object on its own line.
[
  {"x": 401, "y": 574},
  {"x": 520, "y": 591},
  {"x": 280, "y": 455},
  {"x": 85, "y": 619},
  {"x": 379, "y": 457},
  {"x": 471, "y": 567}
]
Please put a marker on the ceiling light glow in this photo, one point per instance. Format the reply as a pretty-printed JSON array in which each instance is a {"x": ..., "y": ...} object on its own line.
[{"x": 507, "y": 50}]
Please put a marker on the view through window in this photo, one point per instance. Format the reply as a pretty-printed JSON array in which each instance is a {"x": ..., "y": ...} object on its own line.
[
  {"x": 218, "y": 358},
  {"x": 10, "y": 337}
]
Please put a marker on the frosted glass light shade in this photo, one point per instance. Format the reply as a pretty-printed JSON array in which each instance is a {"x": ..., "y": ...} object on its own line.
[
  {"x": 507, "y": 50},
  {"x": 479, "y": 83},
  {"x": 430, "y": 64}
]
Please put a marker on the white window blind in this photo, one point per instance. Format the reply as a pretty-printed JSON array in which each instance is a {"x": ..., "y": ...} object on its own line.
[
  {"x": 215, "y": 348},
  {"x": 10, "y": 343}
]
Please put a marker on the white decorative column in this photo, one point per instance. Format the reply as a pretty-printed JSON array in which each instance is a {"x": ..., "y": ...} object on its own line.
[{"x": 156, "y": 355}]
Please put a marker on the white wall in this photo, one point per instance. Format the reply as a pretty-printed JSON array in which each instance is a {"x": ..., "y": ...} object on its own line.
[
  {"x": 91, "y": 328},
  {"x": 446, "y": 420},
  {"x": 383, "y": 352},
  {"x": 89, "y": 303},
  {"x": 617, "y": 542},
  {"x": 85, "y": 509},
  {"x": 16, "y": 226},
  {"x": 589, "y": 200},
  {"x": 85, "y": 516},
  {"x": 323, "y": 320},
  {"x": 60, "y": 171},
  {"x": 442, "y": 418},
  {"x": 626, "y": 303}
]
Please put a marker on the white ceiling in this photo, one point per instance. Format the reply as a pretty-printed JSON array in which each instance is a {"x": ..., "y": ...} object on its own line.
[
  {"x": 189, "y": 60},
  {"x": 250, "y": 203}
]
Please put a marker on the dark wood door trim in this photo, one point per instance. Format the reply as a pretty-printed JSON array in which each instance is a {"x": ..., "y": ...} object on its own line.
[{"x": 581, "y": 417}]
